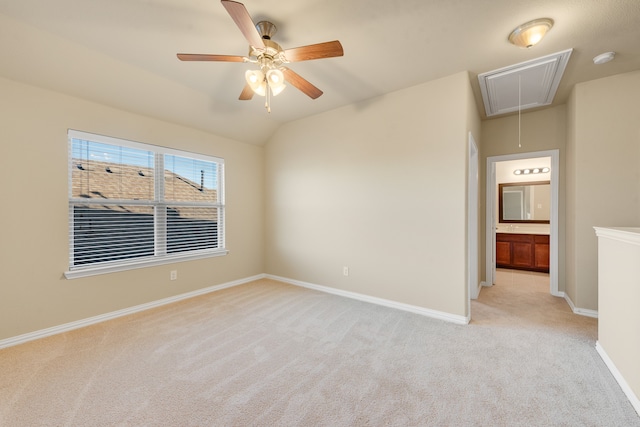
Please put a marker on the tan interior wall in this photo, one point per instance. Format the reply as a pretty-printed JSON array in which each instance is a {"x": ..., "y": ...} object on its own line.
[
  {"x": 619, "y": 293},
  {"x": 34, "y": 246},
  {"x": 474, "y": 126},
  {"x": 605, "y": 188},
  {"x": 379, "y": 187},
  {"x": 571, "y": 260}
]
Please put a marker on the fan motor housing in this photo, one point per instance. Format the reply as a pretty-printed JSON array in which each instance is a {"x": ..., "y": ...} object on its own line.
[{"x": 266, "y": 29}]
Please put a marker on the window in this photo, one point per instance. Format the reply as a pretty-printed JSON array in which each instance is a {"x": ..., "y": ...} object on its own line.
[{"x": 133, "y": 205}]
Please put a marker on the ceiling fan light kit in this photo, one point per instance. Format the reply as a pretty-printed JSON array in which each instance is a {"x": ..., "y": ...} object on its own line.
[
  {"x": 269, "y": 56},
  {"x": 530, "y": 33},
  {"x": 269, "y": 80}
]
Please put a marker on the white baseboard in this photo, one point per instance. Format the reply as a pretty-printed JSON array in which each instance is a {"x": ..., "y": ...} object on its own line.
[
  {"x": 577, "y": 310},
  {"x": 20, "y": 339},
  {"x": 633, "y": 399},
  {"x": 461, "y": 320}
]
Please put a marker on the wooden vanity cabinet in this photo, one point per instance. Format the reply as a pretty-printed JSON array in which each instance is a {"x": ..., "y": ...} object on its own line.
[
  {"x": 522, "y": 251},
  {"x": 541, "y": 252}
]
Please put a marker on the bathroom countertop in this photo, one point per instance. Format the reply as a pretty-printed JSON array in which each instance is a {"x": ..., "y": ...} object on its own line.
[{"x": 522, "y": 231}]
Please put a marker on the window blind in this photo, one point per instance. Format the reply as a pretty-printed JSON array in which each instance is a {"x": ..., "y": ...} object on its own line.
[{"x": 131, "y": 202}]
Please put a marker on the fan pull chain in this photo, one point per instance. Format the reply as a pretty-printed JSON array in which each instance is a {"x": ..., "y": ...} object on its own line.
[{"x": 267, "y": 101}]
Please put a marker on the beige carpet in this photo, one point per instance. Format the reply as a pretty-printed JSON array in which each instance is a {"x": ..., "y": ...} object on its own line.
[{"x": 271, "y": 354}]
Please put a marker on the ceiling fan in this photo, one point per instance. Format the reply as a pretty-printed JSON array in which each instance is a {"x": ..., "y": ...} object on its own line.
[{"x": 269, "y": 56}]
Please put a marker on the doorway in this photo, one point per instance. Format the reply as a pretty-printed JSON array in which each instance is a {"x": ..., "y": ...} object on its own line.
[{"x": 491, "y": 215}]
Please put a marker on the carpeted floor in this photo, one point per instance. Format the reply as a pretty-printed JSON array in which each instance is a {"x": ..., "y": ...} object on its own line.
[{"x": 272, "y": 354}]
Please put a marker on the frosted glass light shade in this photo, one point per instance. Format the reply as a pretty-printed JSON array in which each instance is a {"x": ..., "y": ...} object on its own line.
[
  {"x": 255, "y": 79},
  {"x": 275, "y": 78},
  {"x": 530, "y": 33},
  {"x": 276, "y": 90}
]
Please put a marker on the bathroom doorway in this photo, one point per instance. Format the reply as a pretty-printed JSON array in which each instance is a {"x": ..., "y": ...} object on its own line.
[{"x": 492, "y": 213}]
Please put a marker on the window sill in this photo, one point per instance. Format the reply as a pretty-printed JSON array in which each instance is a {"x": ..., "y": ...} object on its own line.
[{"x": 105, "y": 269}]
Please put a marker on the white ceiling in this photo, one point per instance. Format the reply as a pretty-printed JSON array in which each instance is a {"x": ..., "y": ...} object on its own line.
[{"x": 123, "y": 52}]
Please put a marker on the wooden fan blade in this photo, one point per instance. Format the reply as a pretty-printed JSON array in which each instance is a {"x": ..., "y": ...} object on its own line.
[
  {"x": 247, "y": 93},
  {"x": 206, "y": 57},
  {"x": 314, "y": 51},
  {"x": 303, "y": 85},
  {"x": 243, "y": 20}
]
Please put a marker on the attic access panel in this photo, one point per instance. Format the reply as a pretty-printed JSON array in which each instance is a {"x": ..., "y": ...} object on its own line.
[{"x": 538, "y": 80}]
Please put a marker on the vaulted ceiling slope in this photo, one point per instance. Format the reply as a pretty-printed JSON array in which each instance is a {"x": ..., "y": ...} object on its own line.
[{"x": 123, "y": 52}]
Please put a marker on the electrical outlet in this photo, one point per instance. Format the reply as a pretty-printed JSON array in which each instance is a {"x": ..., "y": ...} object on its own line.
[
  {"x": 345, "y": 271},
  {"x": 174, "y": 275}
]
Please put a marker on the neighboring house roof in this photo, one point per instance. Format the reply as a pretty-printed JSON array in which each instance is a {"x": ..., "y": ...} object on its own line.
[{"x": 112, "y": 181}]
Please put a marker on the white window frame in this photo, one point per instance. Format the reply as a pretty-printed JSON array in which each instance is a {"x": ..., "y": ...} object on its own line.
[{"x": 159, "y": 204}]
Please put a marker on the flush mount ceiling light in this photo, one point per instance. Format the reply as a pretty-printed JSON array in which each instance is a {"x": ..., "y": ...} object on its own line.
[{"x": 530, "y": 33}]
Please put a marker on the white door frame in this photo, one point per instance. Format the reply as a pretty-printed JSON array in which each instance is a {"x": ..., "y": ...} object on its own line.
[
  {"x": 472, "y": 219},
  {"x": 491, "y": 223}
]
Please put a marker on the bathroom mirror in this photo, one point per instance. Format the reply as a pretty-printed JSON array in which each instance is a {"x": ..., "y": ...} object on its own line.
[{"x": 525, "y": 202}]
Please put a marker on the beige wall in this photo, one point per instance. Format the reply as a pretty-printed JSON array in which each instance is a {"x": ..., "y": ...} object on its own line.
[
  {"x": 34, "y": 244},
  {"x": 379, "y": 187},
  {"x": 474, "y": 126},
  {"x": 603, "y": 150},
  {"x": 540, "y": 131},
  {"x": 619, "y": 293},
  {"x": 570, "y": 286}
]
